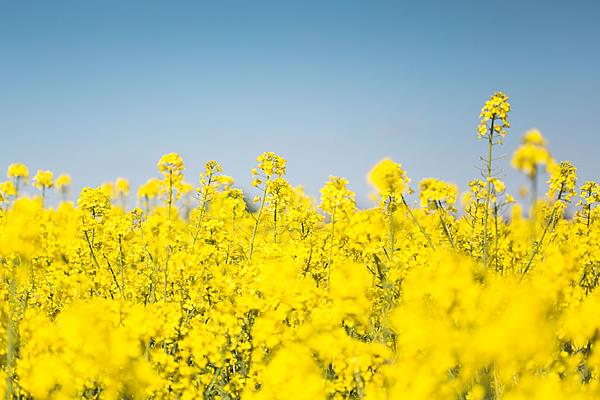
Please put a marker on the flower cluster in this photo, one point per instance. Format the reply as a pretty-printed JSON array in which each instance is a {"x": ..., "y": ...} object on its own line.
[
  {"x": 43, "y": 179},
  {"x": 563, "y": 181},
  {"x": 336, "y": 197},
  {"x": 434, "y": 193},
  {"x": 494, "y": 116},
  {"x": 532, "y": 154},
  {"x": 19, "y": 171},
  {"x": 391, "y": 181},
  {"x": 197, "y": 292}
]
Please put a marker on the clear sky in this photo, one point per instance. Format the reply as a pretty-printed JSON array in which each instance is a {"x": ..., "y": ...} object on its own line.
[{"x": 102, "y": 89}]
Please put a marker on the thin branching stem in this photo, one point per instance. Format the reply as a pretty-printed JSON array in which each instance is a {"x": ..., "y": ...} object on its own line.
[{"x": 417, "y": 223}]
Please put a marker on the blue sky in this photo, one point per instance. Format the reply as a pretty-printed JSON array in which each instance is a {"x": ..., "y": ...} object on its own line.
[{"x": 102, "y": 89}]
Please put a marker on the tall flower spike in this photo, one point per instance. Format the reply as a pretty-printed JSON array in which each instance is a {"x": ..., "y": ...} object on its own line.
[
  {"x": 562, "y": 182},
  {"x": 390, "y": 180},
  {"x": 43, "y": 179},
  {"x": 493, "y": 122},
  {"x": 532, "y": 153},
  {"x": 63, "y": 181},
  {"x": 94, "y": 201},
  {"x": 122, "y": 186},
  {"x": 336, "y": 200},
  {"x": 270, "y": 166},
  {"x": 495, "y": 113},
  {"x": 336, "y": 197},
  {"x": 170, "y": 164},
  {"x": 434, "y": 192},
  {"x": 18, "y": 170}
]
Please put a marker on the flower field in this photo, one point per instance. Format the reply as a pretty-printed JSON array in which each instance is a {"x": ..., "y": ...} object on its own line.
[{"x": 201, "y": 291}]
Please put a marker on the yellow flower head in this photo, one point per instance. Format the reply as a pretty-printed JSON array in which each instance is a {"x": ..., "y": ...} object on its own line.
[
  {"x": 211, "y": 176},
  {"x": 434, "y": 192},
  {"x": 212, "y": 167},
  {"x": 495, "y": 113},
  {"x": 94, "y": 201},
  {"x": 269, "y": 165},
  {"x": 150, "y": 189},
  {"x": 63, "y": 181},
  {"x": 563, "y": 179},
  {"x": 280, "y": 193},
  {"x": 108, "y": 188},
  {"x": 498, "y": 185},
  {"x": 335, "y": 196},
  {"x": 18, "y": 170},
  {"x": 122, "y": 186},
  {"x": 532, "y": 153},
  {"x": 590, "y": 193},
  {"x": 388, "y": 178},
  {"x": 43, "y": 179},
  {"x": 535, "y": 137},
  {"x": 226, "y": 180},
  {"x": 235, "y": 200},
  {"x": 478, "y": 188},
  {"x": 170, "y": 164},
  {"x": 8, "y": 189}
]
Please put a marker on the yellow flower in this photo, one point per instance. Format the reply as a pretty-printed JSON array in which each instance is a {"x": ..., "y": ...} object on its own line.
[
  {"x": 498, "y": 185},
  {"x": 18, "y": 170},
  {"x": 212, "y": 167},
  {"x": 122, "y": 187},
  {"x": 7, "y": 188},
  {"x": 590, "y": 193},
  {"x": 150, "y": 189},
  {"x": 170, "y": 302},
  {"x": 336, "y": 197},
  {"x": 390, "y": 180},
  {"x": 562, "y": 182},
  {"x": 170, "y": 164},
  {"x": 43, "y": 179},
  {"x": 269, "y": 165},
  {"x": 94, "y": 201},
  {"x": 494, "y": 116},
  {"x": 434, "y": 192},
  {"x": 63, "y": 181},
  {"x": 532, "y": 153},
  {"x": 535, "y": 137}
]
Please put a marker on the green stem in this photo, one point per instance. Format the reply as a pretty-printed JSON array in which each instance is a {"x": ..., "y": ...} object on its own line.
[
  {"x": 496, "y": 235},
  {"x": 417, "y": 223},
  {"x": 539, "y": 244},
  {"x": 203, "y": 204},
  {"x": 533, "y": 211},
  {"x": 17, "y": 186},
  {"x": 489, "y": 187},
  {"x": 11, "y": 343},
  {"x": 331, "y": 237},
  {"x": 87, "y": 238},
  {"x": 589, "y": 213},
  {"x": 121, "y": 266},
  {"x": 275, "y": 224},
  {"x": 166, "y": 274},
  {"x": 392, "y": 230},
  {"x": 260, "y": 211},
  {"x": 170, "y": 204},
  {"x": 441, "y": 211},
  {"x": 233, "y": 236},
  {"x": 548, "y": 224}
]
